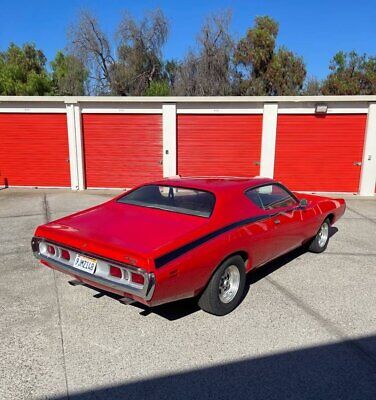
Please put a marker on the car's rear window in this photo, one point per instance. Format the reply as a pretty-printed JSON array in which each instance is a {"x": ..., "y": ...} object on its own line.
[{"x": 171, "y": 198}]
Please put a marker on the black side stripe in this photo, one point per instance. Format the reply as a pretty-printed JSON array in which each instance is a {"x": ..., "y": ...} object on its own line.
[{"x": 166, "y": 258}]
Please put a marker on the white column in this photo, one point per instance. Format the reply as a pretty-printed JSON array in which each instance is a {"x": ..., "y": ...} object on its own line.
[
  {"x": 269, "y": 134},
  {"x": 79, "y": 147},
  {"x": 169, "y": 140},
  {"x": 75, "y": 146},
  {"x": 368, "y": 173}
]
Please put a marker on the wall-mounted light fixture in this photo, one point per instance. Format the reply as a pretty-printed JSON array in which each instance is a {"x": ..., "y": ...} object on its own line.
[{"x": 321, "y": 108}]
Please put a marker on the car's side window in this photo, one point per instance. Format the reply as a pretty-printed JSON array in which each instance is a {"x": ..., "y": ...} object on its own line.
[{"x": 270, "y": 197}]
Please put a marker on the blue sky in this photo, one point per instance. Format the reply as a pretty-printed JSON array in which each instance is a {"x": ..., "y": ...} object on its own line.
[{"x": 315, "y": 29}]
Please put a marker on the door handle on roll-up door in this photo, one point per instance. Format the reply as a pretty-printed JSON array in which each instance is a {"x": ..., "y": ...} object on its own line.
[{"x": 277, "y": 221}]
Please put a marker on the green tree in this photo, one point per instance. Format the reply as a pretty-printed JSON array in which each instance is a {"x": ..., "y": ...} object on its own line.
[
  {"x": 352, "y": 74},
  {"x": 285, "y": 74},
  {"x": 23, "y": 71},
  {"x": 69, "y": 75},
  {"x": 266, "y": 70},
  {"x": 158, "y": 88}
]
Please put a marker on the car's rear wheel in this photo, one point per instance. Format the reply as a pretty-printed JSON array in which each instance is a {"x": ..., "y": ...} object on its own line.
[
  {"x": 225, "y": 289},
  {"x": 321, "y": 240}
]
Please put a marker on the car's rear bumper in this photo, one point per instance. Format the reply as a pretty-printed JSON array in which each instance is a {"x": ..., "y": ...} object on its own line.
[{"x": 144, "y": 293}]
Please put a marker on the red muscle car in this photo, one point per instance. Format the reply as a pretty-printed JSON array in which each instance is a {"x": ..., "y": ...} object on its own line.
[{"x": 185, "y": 237}]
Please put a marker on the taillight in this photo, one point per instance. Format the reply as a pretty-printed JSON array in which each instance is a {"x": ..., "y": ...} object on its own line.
[
  {"x": 115, "y": 271},
  {"x": 137, "y": 278},
  {"x": 51, "y": 249},
  {"x": 65, "y": 254}
]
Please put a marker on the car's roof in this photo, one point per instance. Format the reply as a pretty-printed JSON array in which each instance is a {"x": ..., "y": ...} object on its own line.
[{"x": 214, "y": 184}]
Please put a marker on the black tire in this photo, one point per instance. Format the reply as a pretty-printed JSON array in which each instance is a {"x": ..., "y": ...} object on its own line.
[
  {"x": 210, "y": 299},
  {"x": 317, "y": 245}
]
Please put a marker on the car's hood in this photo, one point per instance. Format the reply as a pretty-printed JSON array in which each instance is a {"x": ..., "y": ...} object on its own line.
[{"x": 122, "y": 230}]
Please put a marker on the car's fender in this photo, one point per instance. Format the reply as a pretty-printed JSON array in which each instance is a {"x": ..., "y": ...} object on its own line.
[{"x": 189, "y": 274}]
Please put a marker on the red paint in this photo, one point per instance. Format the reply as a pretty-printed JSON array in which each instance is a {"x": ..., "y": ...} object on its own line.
[
  {"x": 122, "y": 150},
  {"x": 219, "y": 145},
  {"x": 118, "y": 231},
  {"x": 317, "y": 153},
  {"x": 34, "y": 150}
]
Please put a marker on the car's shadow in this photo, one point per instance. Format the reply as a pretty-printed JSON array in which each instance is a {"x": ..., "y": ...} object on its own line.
[{"x": 182, "y": 308}]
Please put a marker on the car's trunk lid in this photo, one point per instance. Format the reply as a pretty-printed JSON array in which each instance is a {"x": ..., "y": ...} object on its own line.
[{"x": 124, "y": 232}]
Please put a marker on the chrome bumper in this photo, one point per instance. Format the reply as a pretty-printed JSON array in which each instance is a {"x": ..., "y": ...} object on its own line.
[{"x": 145, "y": 292}]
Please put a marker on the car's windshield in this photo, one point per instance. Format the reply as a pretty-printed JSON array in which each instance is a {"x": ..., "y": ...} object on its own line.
[{"x": 170, "y": 198}]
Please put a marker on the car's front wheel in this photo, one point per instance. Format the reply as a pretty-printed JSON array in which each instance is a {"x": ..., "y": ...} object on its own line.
[
  {"x": 225, "y": 289},
  {"x": 321, "y": 240}
]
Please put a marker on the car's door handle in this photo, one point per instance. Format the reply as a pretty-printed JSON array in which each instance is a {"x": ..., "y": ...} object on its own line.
[{"x": 277, "y": 221}]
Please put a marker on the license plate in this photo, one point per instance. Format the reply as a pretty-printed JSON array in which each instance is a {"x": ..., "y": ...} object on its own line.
[{"x": 85, "y": 263}]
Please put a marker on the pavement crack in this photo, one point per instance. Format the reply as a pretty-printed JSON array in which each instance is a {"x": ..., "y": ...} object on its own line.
[
  {"x": 47, "y": 217},
  {"x": 362, "y": 215},
  {"x": 46, "y": 209},
  {"x": 353, "y": 344}
]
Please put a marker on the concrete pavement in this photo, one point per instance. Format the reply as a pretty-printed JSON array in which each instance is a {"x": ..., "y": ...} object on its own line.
[{"x": 306, "y": 329}]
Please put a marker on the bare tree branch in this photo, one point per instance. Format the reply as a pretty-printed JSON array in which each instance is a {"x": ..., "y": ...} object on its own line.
[
  {"x": 89, "y": 43},
  {"x": 210, "y": 71}
]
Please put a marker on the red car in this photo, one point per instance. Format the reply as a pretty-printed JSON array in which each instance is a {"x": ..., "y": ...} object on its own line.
[{"x": 185, "y": 237}]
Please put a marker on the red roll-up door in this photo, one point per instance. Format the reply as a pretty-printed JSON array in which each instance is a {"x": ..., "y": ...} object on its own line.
[
  {"x": 219, "y": 145},
  {"x": 319, "y": 153},
  {"x": 122, "y": 150},
  {"x": 34, "y": 150}
]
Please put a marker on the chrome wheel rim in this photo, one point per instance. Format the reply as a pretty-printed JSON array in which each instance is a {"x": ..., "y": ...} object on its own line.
[
  {"x": 323, "y": 234},
  {"x": 229, "y": 284}
]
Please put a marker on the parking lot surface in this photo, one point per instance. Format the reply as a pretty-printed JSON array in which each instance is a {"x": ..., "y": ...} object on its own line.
[{"x": 305, "y": 330}]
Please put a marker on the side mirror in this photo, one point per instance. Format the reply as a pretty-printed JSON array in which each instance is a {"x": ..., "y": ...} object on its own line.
[{"x": 303, "y": 203}]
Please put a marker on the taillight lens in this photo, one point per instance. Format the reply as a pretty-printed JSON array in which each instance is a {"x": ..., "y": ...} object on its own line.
[
  {"x": 138, "y": 278},
  {"x": 115, "y": 271},
  {"x": 65, "y": 254},
  {"x": 51, "y": 249}
]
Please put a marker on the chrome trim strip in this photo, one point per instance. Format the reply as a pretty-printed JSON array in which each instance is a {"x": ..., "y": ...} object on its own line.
[
  {"x": 37, "y": 239},
  {"x": 146, "y": 292}
]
